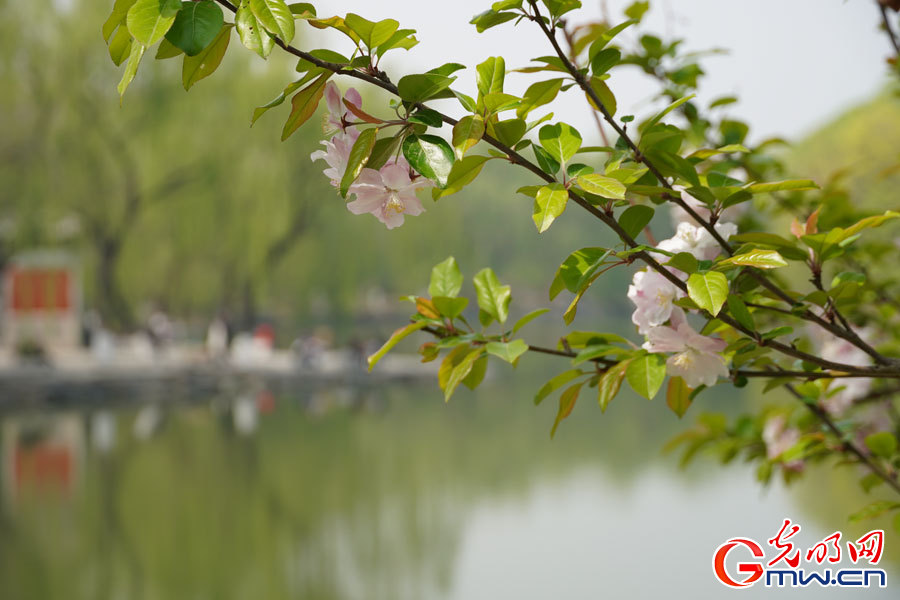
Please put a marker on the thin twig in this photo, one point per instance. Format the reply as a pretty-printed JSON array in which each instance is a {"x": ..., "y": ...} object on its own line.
[
  {"x": 847, "y": 444},
  {"x": 895, "y": 41}
]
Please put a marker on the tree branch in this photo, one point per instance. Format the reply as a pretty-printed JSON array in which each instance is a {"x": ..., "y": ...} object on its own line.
[
  {"x": 846, "y": 444},
  {"x": 847, "y": 334},
  {"x": 514, "y": 157},
  {"x": 885, "y": 20}
]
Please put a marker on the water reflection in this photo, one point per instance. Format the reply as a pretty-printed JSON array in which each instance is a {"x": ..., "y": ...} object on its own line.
[{"x": 376, "y": 493}]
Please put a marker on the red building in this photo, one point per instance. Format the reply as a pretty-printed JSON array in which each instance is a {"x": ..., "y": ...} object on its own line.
[{"x": 41, "y": 301}]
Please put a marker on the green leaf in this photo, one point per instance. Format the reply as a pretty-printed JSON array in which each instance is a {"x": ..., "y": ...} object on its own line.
[
  {"x": 493, "y": 298},
  {"x": 372, "y": 34},
  {"x": 787, "y": 248},
  {"x": 463, "y": 173},
  {"x": 446, "y": 279},
  {"x": 635, "y": 218},
  {"x": 496, "y": 102},
  {"x": 508, "y": 351},
  {"x": 476, "y": 375},
  {"x": 678, "y": 396},
  {"x": 422, "y": 86},
  {"x": 739, "y": 311},
  {"x": 466, "y": 133},
  {"x": 646, "y": 126},
  {"x": 335, "y": 23},
  {"x": 430, "y": 156},
  {"x": 275, "y": 17},
  {"x": 384, "y": 150},
  {"x": 447, "y": 68},
  {"x": 549, "y": 203},
  {"x": 636, "y": 10},
  {"x": 277, "y": 101},
  {"x": 761, "y": 259},
  {"x": 131, "y": 67},
  {"x": 525, "y": 320},
  {"x": 577, "y": 269},
  {"x": 605, "y": 60},
  {"x": 304, "y": 104},
  {"x": 561, "y": 141},
  {"x": 116, "y": 17},
  {"x": 601, "y": 185},
  {"x": 882, "y": 444},
  {"x": 796, "y": 185},
  {"x": 508, "y": 132},
  {"x": 395, "y": 338},
  {"x": 502, "y": 5},
  {"x": 708, "y": 290},
  {"x": 490, "y": 75},
  {"x": 403, "y": 38},
  {"x": 875, "y": 509},
  {"x": 252, "y": 34},
  {"x": 608, "y": 35},
  {"x": 204, "y": 64},
  {"x": 450, "y": 307},
  {"x": 302, "y": 10},
  {"x": 566, "y": 403},
  {"x": 595, "y": 351},
  {"x": 490, "y": 18},
  {"x": 358, "y": 157},
  {"x": 538, "y": 94},
  {"x": 120, "y": 46},
  {"x": 607, "y": 98},
  {"x": 546, "y": 162},
  {"x": 167, "y": 50},
  {"x": 610, "y": 383},
  {"x": 645, "y": 374},
  {"x": 149, "y": 20},
  {"x": 196, "y": 26},
  {"x": 455, "y": 367},
  {"x": 684, "y": 262},
  {"x": 867, "y": 223},
  {"x": 555, "y": 383}
]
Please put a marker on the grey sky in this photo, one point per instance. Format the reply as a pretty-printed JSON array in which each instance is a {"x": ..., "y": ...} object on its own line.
[{"x": 794, "y": 63}]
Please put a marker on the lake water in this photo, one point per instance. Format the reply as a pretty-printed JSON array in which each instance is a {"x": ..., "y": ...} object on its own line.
[{"x": 386, "y": 493}]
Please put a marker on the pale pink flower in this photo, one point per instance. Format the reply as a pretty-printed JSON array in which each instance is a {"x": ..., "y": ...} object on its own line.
[
  {"x": 337, "y": 155},
  {"x": 841, "y": 351},
  {"x": 389, "y": 194},
  {"x": 697, "y": 359},
  {"x": 697, "y": 241},
  {"x": 652, "y": 295},
  {"x": 338, "y": 114},
  {"x": 779, "y": 438}
]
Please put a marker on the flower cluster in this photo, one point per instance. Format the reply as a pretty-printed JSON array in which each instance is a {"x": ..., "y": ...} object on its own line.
[
  {"x": 697, "y": 358},
  {"x": 389, "y": 193},
  {"x": 844, "y": 391},
  {"x": 779, "y": 437}
]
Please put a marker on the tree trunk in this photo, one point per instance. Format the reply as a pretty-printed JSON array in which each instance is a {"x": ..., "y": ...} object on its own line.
[{"x": 111, "y": 302}]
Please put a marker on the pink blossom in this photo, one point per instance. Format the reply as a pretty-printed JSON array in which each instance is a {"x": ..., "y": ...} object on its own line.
[
  {"x": 697, "y": 359},
  {"x": 841, "y": 351},
  {"x": 338, "y": 114},
  {"x": 337, "y": 155},
  {"x": 652, "y": 295},
  {"x": 697, "y": 241},
  {"x": 779, "y": 438},
  {"x": 389, "y": 194}
]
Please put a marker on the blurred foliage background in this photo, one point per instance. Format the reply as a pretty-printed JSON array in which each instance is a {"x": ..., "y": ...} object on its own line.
[{"x": 194, "y": 213}]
